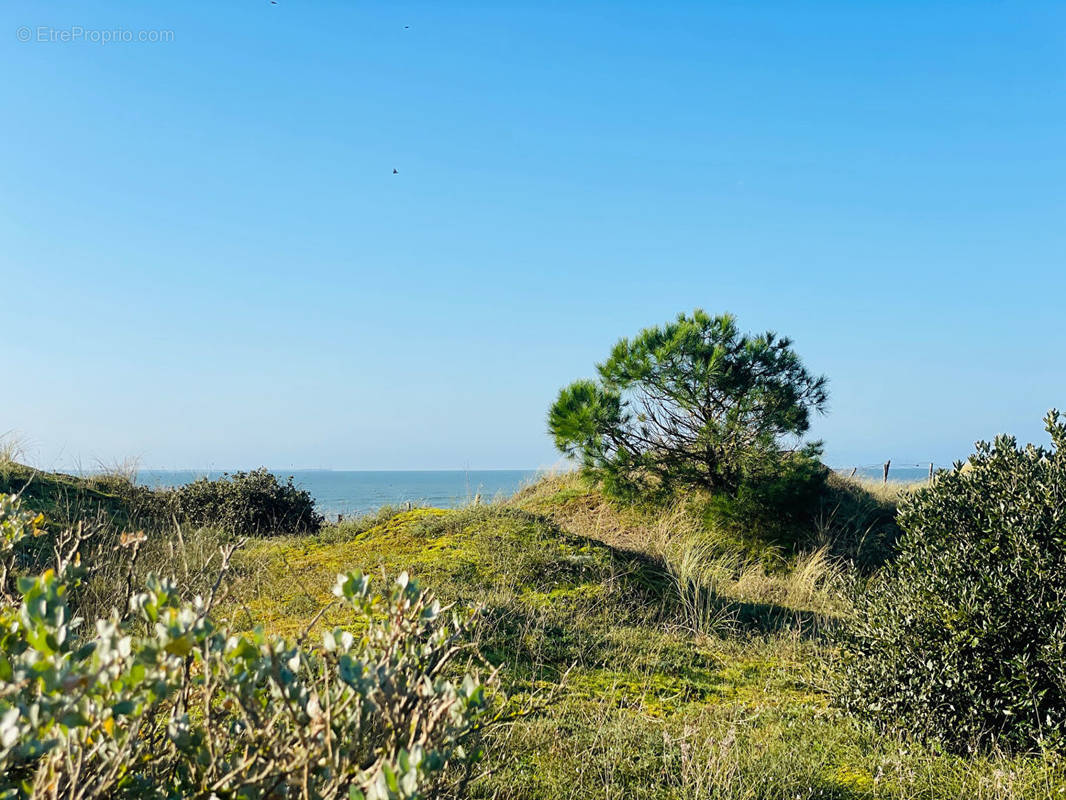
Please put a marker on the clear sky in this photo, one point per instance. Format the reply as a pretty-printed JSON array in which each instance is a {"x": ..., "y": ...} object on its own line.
[{"x": 207, "y": 260}]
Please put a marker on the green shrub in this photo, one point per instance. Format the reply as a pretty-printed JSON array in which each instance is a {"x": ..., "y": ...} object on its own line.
[
  {"x": 963, "y": 639},
  {"x": 775, "y": 503},
  {"x": 163, "y": 701},
  {"x": 249, "y": 503}
]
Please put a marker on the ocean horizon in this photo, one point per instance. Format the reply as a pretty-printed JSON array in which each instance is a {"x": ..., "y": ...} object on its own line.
[{"x": 354, "y": 492}]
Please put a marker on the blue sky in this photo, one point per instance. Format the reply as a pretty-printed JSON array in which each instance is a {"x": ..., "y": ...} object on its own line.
[{"x": 207, "y": 260}]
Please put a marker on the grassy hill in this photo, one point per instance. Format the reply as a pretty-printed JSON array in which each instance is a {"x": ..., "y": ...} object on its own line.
[
  {"x": 644, "y": 654},
  {"x": 64, "y": 498},
  {"x": 647, "y": 660}
]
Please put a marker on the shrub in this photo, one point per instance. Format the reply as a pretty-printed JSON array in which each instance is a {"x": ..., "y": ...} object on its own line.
[
  {"x": 963, "y": 639},
  {"x": 693, "y": 403},
  {"x": 163, "y": 701},
  {"x": 775, "y": 503},
  {"x": 249, "y": 503}
]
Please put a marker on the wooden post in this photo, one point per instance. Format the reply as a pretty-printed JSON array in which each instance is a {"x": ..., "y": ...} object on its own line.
[
  {"x": 930, "y": 471},
  {"x": 339, "y": 518},
  {"x": 853, "y": 471},
  {"x": 887, "y": 465}
]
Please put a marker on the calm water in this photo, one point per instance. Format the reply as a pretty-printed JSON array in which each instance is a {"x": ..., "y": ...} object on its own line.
[
  {"x": 908, "y": 474},
  {"x": 357, "y": 492}
]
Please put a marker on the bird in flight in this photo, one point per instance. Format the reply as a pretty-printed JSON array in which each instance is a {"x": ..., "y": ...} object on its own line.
[{"x": 395, "y": 171}]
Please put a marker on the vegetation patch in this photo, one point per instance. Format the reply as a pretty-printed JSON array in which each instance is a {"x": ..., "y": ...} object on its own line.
[
  {"x": 962, "y": 638},
  {"x": 643, "y": 652},
  {"x": 164, "y": 702}
]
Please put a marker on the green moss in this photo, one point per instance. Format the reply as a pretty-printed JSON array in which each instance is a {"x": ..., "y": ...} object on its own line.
[
  {"x": 566, "y": 597},
  {"x": 469, "y": 555},
  {"x": 855, "y": 778}
]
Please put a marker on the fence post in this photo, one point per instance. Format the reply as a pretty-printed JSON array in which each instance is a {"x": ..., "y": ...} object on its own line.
[
  {"x": 887, "y": 465},
  {"x": 930, "y": 471}
]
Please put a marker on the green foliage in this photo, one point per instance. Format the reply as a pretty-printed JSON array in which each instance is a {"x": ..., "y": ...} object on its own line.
[
  {"x": 964, "y": 638},
  {"x": 774, "y": 503},
  {"x": 693, "y": 403},
  {"x": 248, "y": 503},
  {"x": 163, "y": 701},
  {"x": 856, "y": 520},
  {"x": 17, "y": 526}
]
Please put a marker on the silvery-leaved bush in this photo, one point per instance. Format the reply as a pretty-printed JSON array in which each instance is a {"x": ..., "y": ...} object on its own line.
[{"x": 159, "y": 700}]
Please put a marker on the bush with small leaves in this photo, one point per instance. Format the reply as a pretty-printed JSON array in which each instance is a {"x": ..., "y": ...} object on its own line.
[
  {"x": 162, "y": 701},
  {"x": 247, "y": 503},
  {"x": 963, "y": 638},
  {"x": 16, "y": 527}
]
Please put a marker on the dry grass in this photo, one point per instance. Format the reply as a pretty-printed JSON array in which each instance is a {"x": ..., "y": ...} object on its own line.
[
  {"x": 707, "y": 570},
  {"x": 118, "y": 474},
  {"x": 12, "y": 451},
  {"x": 890, "y": 492}
]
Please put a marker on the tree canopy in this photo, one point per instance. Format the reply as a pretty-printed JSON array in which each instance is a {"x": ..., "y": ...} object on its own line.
[{"x": 691, "y": 403}]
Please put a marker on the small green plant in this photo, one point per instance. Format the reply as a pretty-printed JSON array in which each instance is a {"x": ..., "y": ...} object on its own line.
[
  {"x": 247, "y": 503},
  {"x": 160, "y": 700},
  {"x": 963, "y": 639}
]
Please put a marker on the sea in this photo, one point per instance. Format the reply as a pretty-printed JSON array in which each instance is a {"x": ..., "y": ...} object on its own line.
[
  {"x": 909, "y": 473},
  {"x": 354, "y": 492}
]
